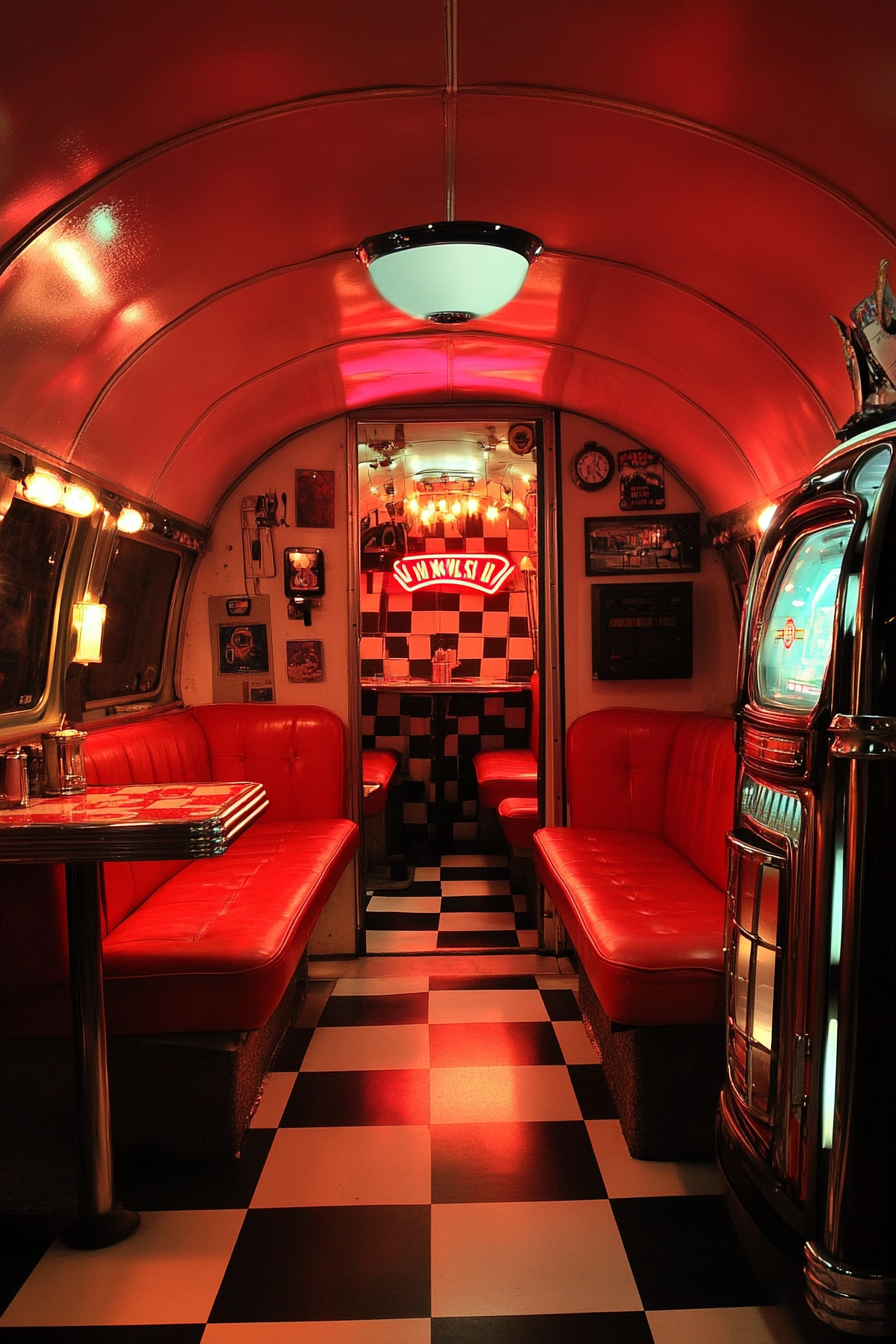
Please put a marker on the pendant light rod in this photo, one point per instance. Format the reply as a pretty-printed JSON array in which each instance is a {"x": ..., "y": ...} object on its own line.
[{"x": 449, "y": 105}]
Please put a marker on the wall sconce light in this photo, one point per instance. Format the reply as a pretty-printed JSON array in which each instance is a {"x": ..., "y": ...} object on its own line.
[
  {"x": 78, "y": 500},
  {"x": 766, "y": 516},
  {"x": 90, "y": 621},
  {"x": 130, "y": 520},
  {"x": 42, "y": 487}
]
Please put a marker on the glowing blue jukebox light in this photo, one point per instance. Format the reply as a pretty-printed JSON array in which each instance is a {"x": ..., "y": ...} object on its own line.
[{"x": 806, "y": 1140}]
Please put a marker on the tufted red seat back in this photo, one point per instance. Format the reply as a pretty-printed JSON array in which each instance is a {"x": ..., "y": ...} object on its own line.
[
  {"x": 617, "y": 762},
  {"x": 701, "y": 767},
  {"x": 296, "y": 752},
  {"x": 264, "y": 743}
]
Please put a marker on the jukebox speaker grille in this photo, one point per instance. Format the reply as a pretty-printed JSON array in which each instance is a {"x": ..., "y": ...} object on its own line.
[
  {"x": 756, "y": 901},
  {"x": 771, "y": 810}
]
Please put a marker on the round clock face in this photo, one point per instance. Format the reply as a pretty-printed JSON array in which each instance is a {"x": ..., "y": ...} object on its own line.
[{"x": 592, "y": 467}]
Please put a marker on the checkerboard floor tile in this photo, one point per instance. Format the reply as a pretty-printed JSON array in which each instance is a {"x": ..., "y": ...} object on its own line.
[
  {"x": 458, "y": 903},
  {"x": 435, "y": 1160}
]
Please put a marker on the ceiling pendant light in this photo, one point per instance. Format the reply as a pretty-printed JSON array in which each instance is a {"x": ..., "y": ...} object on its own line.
[{"x": 450, "y": 272}]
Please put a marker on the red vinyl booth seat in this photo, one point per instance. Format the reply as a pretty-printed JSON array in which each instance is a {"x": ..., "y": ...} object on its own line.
[
  {"x": 638, "y": 879},
  {"x": 513, "y": 772},
  {"x": 518, "y": 818},
  {"x": 378, "y": 767},
  {"x": 208, "y": 945},
  {"x": 639, "y": 876}
]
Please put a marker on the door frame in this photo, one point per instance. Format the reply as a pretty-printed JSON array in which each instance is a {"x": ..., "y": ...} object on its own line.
[{"x": 552, "y": 729}]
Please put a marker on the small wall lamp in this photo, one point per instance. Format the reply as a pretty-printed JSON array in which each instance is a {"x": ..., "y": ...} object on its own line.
[
  {"x": 130, "y": 520},
  {"x": 90, "y": 621}
]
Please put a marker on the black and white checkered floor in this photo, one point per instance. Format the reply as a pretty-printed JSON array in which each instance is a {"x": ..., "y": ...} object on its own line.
[
  {"x": 435, "y": 1159},
  {"x": 457, "y": 903}
]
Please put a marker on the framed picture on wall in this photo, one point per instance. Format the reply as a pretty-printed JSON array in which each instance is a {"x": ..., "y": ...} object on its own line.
[{"x": 664, "y": 544}]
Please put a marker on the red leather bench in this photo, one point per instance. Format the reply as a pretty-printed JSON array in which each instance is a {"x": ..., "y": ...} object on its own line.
[
  {"x": 202, "y": 959},
  {"x": 513, "y": 772},
  {"x": 518, "y": 818},
  {"x": 638, "y": 879},
  {"x": 377, "y": 767}
]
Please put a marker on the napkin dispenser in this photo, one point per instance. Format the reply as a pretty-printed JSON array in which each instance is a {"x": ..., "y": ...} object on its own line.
[{"x": 64, "y": 761}]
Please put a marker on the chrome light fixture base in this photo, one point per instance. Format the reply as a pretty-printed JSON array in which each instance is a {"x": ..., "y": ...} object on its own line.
[{"x": 450, "y": 272}]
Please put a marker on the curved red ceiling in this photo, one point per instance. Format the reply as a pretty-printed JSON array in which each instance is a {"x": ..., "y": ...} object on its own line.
[{"x": 184, "y": 196}]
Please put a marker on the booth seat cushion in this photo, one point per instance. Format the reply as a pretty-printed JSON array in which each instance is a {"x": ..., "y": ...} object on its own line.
[
  {"x": 216, "y": 947},
  {"x": 505, "y": 774},
  {"x": 519, "y": 821},
  {"x": 647, "y": 926},
  {"x": 295, "y": 751},
  {"x": 378, "y": 767}
]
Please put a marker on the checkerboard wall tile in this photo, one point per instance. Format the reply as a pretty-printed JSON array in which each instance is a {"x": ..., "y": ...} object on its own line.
[
  {"x": 404, "y": 722},
  {"x": 488, "y": 632}
]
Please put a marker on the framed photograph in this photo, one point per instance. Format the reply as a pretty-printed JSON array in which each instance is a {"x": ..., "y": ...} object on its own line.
[
  {"x": 242, "y": 649},
  {"x": 239, "y": 606},
  {"x": 315, "y": 498},
  {"x": 668, "y": 544},
  {"x": 304, "y": 660}
]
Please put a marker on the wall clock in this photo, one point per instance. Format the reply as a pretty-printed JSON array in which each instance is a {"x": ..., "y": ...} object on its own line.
[{"x": 592, "y": 468}]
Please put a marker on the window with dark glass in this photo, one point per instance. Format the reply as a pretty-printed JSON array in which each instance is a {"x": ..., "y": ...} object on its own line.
[
  {"x": 137, "y": 595},
  {"x": 32, "y": 547}
]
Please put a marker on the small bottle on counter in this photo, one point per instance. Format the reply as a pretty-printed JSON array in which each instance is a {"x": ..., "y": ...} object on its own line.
[{"x": 16, "y": 788}]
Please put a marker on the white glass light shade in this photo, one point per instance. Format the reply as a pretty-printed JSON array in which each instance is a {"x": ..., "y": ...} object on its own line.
[
  {"x": 450, "y": 272},
  {"x": 466, "y": 278},
  {"x": 90, "y": 621}
]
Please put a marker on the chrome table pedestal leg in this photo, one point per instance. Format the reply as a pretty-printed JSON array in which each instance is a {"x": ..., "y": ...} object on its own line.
[{"x": 99, "y": 1222}]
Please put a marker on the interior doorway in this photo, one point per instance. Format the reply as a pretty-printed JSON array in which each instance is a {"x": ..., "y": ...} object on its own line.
[{"x": 449, "y": 558}]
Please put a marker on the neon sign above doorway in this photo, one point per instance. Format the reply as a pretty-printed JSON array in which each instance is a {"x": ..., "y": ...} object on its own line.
[{"x": 483, "y": 573}]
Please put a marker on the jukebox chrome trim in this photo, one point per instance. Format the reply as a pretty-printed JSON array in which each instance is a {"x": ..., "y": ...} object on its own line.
[
  {"x": 856, "y": 1303},
  {"x": 868, "y": 736},
  {"x": 753, "y": 953}
]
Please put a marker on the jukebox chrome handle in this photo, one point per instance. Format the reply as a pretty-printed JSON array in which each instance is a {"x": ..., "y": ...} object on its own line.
[{"x": 870, "y": 736}]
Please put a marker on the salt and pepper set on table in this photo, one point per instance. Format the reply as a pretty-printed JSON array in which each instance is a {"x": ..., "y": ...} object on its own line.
[{"x": 54, "y": 768}]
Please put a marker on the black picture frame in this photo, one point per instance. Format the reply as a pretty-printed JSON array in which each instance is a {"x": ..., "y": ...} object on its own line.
[
  {"x": 642, "y": 631},
  {"x": 303, "y": 571},
  {"x": 642, "y": 546}
]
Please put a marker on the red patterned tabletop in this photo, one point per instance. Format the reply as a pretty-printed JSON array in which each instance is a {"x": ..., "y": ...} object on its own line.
[{"x": 131, "y": 821}]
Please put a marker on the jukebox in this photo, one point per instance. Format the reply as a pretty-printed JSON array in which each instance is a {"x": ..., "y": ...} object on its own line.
[{"x": 807, "y": 1137}]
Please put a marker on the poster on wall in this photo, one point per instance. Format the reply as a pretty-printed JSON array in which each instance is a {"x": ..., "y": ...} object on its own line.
[
  {"x": 642, "y": 479},
  {"x": 240, "y": 648},
  {"x": 315, "y": 498},
  {"x": 304, "y": 660}
]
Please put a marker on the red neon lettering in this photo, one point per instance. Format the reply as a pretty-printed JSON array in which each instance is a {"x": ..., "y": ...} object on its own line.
[{"x": 484, "y": 573}]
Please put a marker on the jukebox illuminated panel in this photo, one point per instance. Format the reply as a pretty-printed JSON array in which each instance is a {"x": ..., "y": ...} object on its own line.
[
  {"x": 811, "y": 931},
  {"x": 796, "y": 644}
]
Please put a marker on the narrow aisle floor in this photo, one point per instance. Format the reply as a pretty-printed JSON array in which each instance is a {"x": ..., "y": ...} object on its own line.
[
  {"x": 435, "y": 1160},
  {"x": 456, "y": 903}
]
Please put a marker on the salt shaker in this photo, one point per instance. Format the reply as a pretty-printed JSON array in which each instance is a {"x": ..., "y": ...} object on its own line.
[{"x": 16, "y": 790}]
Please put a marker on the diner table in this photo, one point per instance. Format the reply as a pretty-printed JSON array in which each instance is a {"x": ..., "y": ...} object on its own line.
[
  {"x": 108, "y": 824},
  {"x": 441, "y": 691}
]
